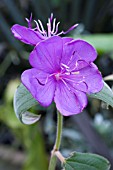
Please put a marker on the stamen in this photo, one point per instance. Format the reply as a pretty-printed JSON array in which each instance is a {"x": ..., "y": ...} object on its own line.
[
  {"x": 64, "y": 65},
  {"x": 38, "y": 28},
  {"x": 66, "y": 85},
  {"x": 60, "y": 33},
  {"x": 67, "y": 73},
  {"x": 74, "y": 66},
  {"x": 29, "y": 21},
  {"x": 53, "y": 74},
  {"x": 56, "y": 28},
  {"x": 76, "y": 72},
  {"x": 68, "y": 79},
  {"x": 51, "y": 17},
  {"x": 49, "y": 28},
  {"x": 64, "y": 68},
  {"x": 54, "y": 21},
  {"x": 31, "y": 17},
  {"x": 41, "y": 25},
  {"x": 70, "y": 29},
  {"x": 52, "y": 27}
]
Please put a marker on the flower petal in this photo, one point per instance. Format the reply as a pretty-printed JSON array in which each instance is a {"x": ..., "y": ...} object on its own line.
[
  {"x": 47, "y": 55},
  {"x": 92, "y": 77},
  {"x": 66, "y": 39},
  {"x": 67, "y": 102},
  {"x": 76, "y": 65},
  {"x": 26, "y": 35},
  {"x": 79, "y": 50},
  {"x": 75, "y": 83},
  {"x": 42, "y": 93}
]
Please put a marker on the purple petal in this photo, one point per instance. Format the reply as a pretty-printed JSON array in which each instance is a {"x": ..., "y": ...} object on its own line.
[
  {"x": 76, "y": 83},
  {"x": 79, "y": 50},
  {"x": 42, "y": 93},
  {"x": 47, "y": 55},
  {"x": 67, "y": 39},
  {"x": 76, "y": 65},
  {"x": 80, "y": 64},
  {"x": 26, "y": 35},
  {"x": 67, "y": 102},
  {"x": 92, "y": 77}
]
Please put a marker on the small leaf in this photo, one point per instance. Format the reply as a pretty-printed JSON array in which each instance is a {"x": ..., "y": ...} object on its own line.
[
  {"x": 106, "y": 95},
  {"x": 86, "y": 161},
  {"x": 29, "y": 118},
  {"x": 23, "y": 101}
]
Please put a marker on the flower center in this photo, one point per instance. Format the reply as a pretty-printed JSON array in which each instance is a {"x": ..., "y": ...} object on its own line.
[{"x": 58, "y": 76}]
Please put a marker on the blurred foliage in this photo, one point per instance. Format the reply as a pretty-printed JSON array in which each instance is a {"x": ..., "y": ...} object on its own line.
[
  {"x": 30, "y": 137},
  {"x": 36, "y": 141},
  {"x": 102, "y": 42}
]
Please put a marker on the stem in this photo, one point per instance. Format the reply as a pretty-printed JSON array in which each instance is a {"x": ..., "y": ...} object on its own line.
[
  {"x": 59, "y": 131},
  {"x": 56, "y": 147}
]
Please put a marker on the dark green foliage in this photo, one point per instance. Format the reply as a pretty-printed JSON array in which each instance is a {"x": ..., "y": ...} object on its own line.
[{"x": 86, "y": 161}]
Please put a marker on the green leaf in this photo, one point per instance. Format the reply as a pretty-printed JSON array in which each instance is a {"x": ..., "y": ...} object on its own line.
[
  {"x": 106, "y": 95},
  {"x": 23, "y": 101},
  {"x": 86, "y": 161}
]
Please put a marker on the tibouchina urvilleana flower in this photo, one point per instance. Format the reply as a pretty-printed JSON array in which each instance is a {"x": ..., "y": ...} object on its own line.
[
  {"x": 33, "y": 36},
  {"x": 63, "y": 72}
]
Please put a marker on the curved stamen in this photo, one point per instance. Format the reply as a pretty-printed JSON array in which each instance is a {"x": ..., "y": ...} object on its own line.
[
  {"x": 60, "y": 33},
  {"x": 38, "y": 28},
  {"x": 41, "y": 25},
  {"x": 29, "y": 21},
  {"x": 64, "y": 68},
  {"x": 52, "y": 27},
  {"x": 70, "y": 29},
  {"x": 56, "y": 30}
]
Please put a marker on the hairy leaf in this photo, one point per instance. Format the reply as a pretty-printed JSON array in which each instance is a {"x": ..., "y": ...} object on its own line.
[
  {"x": 86, "y": 161},
  {"x": 106, "y": 95}
]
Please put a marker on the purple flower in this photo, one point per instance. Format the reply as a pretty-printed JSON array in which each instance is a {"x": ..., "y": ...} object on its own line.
[
  {"x": 63, "y": 72},
  {"x": 33, "y": 36}
]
